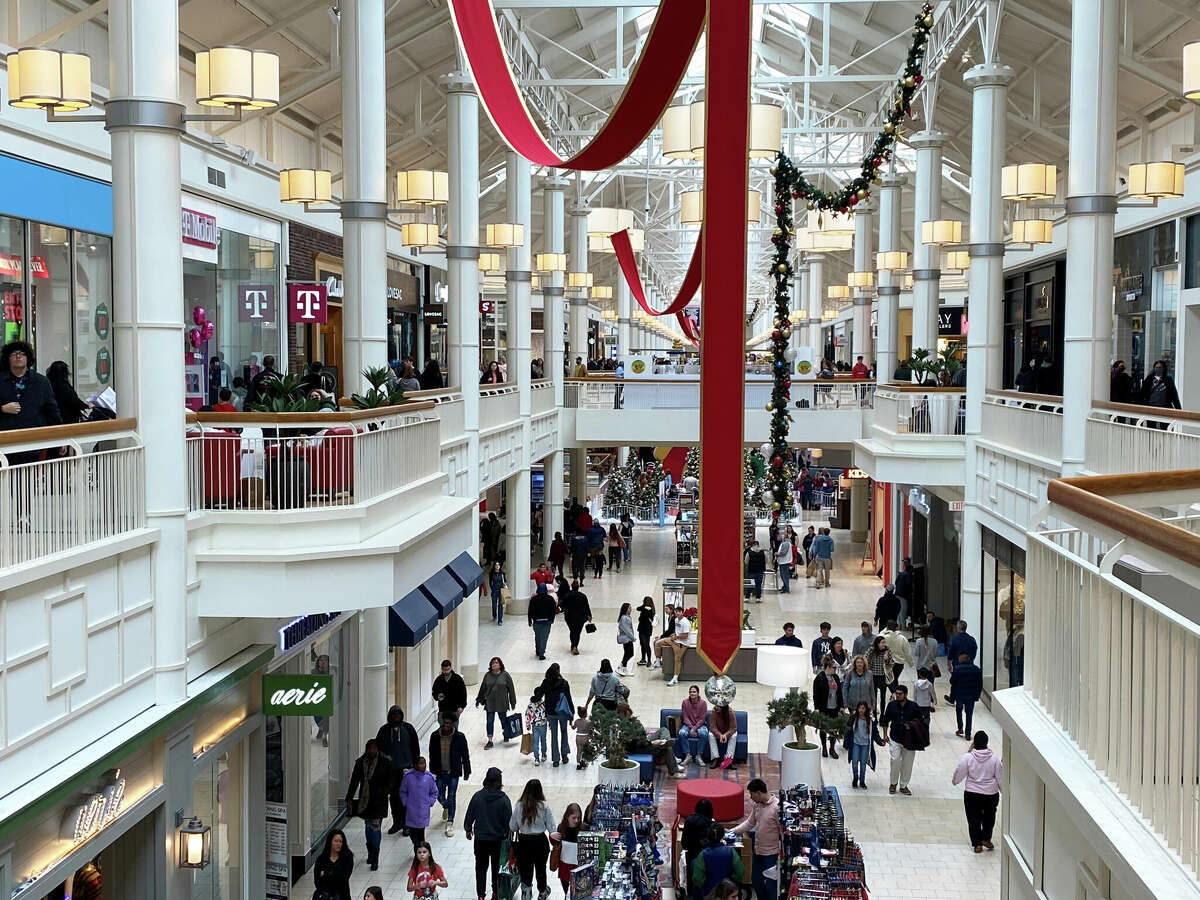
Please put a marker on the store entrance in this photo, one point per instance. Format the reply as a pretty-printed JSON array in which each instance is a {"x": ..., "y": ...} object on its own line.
[{"x": 329, "y": 341}]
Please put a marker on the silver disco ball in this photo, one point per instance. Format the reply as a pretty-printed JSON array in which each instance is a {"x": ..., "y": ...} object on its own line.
[{"x": 720, "y": 690}]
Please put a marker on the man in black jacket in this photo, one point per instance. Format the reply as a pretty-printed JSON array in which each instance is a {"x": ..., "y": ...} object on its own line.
[
  {"x": 486, "y": 823},
  {"x": 256, "y": 392},
  {"x": 371, "y": 778},
  {"x": 756, "y": 569},
  {"x": 888, "y": 607},
  {"x": 450, "y": 692},
  {"x": 397, "y": 741},
  {"x": 577, "y": 612},
  {"x": 26, "y": 397},
  {"x": 542, "y": 610},
  {"x": 695, "y": 838},
  {"x": 966, "y": 687},
  {"x": 449, "y": 760},
  {"x": 904, "y": 590},
  {"x": 895, "y": 718}
]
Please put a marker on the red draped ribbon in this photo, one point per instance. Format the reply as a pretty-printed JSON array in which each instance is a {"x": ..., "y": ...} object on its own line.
[
  {"x": 652, "y": 84},
  {"x": 687, "y": 290},
  {"x": 722, "y": 358},
  {"x": 689, "y": 327}
]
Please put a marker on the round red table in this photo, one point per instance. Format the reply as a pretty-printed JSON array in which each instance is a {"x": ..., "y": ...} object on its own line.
[{"x": 727, "y": 797}]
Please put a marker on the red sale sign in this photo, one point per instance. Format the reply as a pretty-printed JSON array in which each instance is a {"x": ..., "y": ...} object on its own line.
[{"x": 307, "y": 303}]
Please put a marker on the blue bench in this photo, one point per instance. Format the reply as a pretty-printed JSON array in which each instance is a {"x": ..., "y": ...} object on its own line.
[{"x": 740, "y": 752}]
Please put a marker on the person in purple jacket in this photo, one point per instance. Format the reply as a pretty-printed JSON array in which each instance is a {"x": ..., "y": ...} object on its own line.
[{"x": 418, "y": 793}]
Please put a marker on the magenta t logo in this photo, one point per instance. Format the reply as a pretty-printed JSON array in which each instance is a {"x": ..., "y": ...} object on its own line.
[
  {"x": 256, "y": 303},
  {"x": 307, "y": 303}
]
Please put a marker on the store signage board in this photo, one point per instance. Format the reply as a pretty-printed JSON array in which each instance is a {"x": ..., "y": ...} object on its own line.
[
  {"x": 308, "y": 303},
  {"x": 639, "y": 365},
  {"x": 804, "y": 367},
  {"x": 11, "y": 267},
  {"x": 200, "y": 229},
  {"x": 297, "y": 695},
  {"x": 278, "y": 863},
  {"x": 950, "y": 321},
  {"x": 95, "y": 809},
  {"x": 256, "y": 303}
]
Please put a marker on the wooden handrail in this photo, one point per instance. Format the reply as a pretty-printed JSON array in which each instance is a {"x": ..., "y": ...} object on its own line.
[
  {"x": 1027, "y": 397},
  {"x": 430, "y": 393},
  {"x": 1090, "y": 497},
  {"x": 66, "y": 432},
  {"x": 297, "y": 418},
  {"x": 920, "y": 389},
  {"x": 695, "y": 379},
  {"x": 1149, "y": 412}
]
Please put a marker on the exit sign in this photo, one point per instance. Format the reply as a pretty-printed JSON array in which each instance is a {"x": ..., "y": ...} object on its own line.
[{"x": 957, "y": 505}]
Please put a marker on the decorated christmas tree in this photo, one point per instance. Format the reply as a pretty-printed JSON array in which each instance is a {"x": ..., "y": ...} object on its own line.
[
  {"x": 618, "y": 492},
  {"x": 754, "y": 488},
  {"x": 691, "y": 466},
  {"x": 647, "y": 494}
]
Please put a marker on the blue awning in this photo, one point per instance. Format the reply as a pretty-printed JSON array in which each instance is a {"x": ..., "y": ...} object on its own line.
[
  {"x": 444, "y": 591},
  {"x": 467, "y": 571},
  {"x": 410, "y": 619}
]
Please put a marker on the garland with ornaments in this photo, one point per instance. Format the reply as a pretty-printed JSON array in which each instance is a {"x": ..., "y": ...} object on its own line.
[{"x": 791, "y": 185}]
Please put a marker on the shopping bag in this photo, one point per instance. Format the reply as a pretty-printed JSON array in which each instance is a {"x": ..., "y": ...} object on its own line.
[
  {"x": 673, "y": 725},
  {"x": 505, "y": 596},
  {"x": 590, "y": 628},
  {"x": 811, "y": 569},
  {"x": 511, "y": 726},
  {"x": 508, "y": 882},
  {"x": 527, "y": 743}
]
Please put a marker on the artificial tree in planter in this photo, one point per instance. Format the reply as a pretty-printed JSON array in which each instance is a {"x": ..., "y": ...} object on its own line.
[
  {"x": 801, "y": 762},
  {"x": 610, "y": 734}
]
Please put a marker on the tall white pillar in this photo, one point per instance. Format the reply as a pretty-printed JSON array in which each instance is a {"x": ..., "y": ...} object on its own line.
[
  {"x": 816, "y": 304},
  {"x": 148, "y": 314},
  {"x": 886, "y": 337},
  {"x": 520, "y": 326},
  {"x": 553, "y": 241},
  {"x": 1091, "y": 213},
  {"x": 578, "y": 262},
  {"x": 864, "y": 261},
  {"x": 989, "y": 84},
  {"x": 624, "y": 309},
  {"x": 927, "y": 202},
  {"x": 462, "y": 262},
  {"x": 798, "y": 303}
]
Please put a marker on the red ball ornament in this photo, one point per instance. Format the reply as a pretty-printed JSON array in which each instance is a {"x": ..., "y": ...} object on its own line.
[
  {"x": 775, "y": 335},
  {"x": 795, "y": 195},
  {"x": 778, "y": 208},
  {"x": 918, "y": 78},
  {"x": 877, "y": 162},
  {"x": 777, "y": 461},
  {"x": 853, "y": 199}
]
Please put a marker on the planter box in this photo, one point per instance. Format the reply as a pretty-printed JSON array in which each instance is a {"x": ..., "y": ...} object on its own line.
[
  {"x": 621, "y": 777},
  {"x": 800, "y": 767}
]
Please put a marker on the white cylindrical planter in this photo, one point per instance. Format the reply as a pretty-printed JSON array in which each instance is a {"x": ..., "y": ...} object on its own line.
[
  {"x": 800, "y": 767},
  {"x": 624, "y": 777},
  {"x": 779, "y": 737}
]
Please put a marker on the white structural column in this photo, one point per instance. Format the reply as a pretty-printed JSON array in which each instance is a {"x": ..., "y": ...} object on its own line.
[
  {"x": 799, "y": 304},
  {"x": 887, "y": 324},
  {"x": 1091, "y": 214},
  {"x": 577, "y": 327},
  {"x": 927, "y": 206},
  {"x": 624, "y": 309},
  {"x": 989, "y": 84},
  {"x": 364, "y": 237},
  {"x": 864, "y": 261},
  {"x": 553, "y": 241},
  {"x": 462, "y": 261},
  {"x": 520, "y": 326},
  {"x": 816, "y": 303},
  {"x": 149, "y": 312}
]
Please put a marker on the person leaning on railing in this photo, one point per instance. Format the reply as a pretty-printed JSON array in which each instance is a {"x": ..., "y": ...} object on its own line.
[{"x": 26, "y": 397}]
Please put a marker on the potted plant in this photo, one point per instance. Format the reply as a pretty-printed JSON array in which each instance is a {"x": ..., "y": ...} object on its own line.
[
  {"x": 380, "y": 393},
  {"x": 801, "y": 762},
  {"x": 610, "y": 734}
]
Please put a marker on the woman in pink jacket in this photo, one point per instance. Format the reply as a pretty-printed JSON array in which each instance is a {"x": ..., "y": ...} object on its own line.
[{"x": 983, "y": 772}]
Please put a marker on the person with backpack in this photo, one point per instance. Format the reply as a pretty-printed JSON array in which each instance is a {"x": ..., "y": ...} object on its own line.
[
  {"x": 555, "y": 692},
  {"x": 716, "y": 862},
  {"x": 397, "y": 740}
]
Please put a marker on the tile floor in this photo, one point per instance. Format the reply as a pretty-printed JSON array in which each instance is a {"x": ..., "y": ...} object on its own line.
[{"x": 915, "y": 847}]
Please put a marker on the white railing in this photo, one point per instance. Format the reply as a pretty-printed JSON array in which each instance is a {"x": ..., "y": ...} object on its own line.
[
  {"x": 651, "y": 394},
  {"x": 1024, "y": 422},
  {"x": 933, "y": 411},
  {"x": 1123, "y": 438},
  {"x": 307, "y": 460},
  {"x": 1115, "y": 668},
  {"x": 64, "y": 487},
  {"x": 542, "y": 396},
  {"x": 498, "y": 406}
]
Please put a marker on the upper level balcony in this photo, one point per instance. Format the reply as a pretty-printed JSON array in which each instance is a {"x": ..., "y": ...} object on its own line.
[
  {"x": 914, "y": 435},
  {"x": 1125, "y": 438},
  {"x": 1111, "y": 647}
]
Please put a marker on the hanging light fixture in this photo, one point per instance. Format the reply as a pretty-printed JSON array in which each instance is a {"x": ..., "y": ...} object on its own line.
[
  {"x": 829, "y": 315},
  {"x": 637, "y": 240},
  {"x": 237, "y": 77},
  {"x": 941, "y": 232},
  {"x": 194, "y": 842},
  {"x": 54, "y": 80},
  {"x": 550, "y": 262},
  {"x": 691, "y": 208},
  {"x": 837, "y": 292},
  {"x": 909, "y": 282},
  {"x": 1191, "y": 70},
  {"x": 305, "y": 186},
  {"x": 602, "y": 292},
  {"x": 422, "y": 186},
  {"x": 766, "y": 130},
  {"x": 504, "y": 234},
  {"x": 696, "y": 124},
  {"x": 423, "y": 235},
  {"x": 1156, "y": 180},
  {"x": 579, "y": 279},
  {"x": 1032, "y": 231},
  {"x": 822, "y": 235},
  {"x": 490, "y": 262},
  {"x": 957, "y": 261},
  {"x": 861, "y": 280},
  {"x": 677, "y": 133},
  {"x": 1028, "y": 181},
  {"x": 891, "y": 260},
  {"x": 606, "y": 220}
]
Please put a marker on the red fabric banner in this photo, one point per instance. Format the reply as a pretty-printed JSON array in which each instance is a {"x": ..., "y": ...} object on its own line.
[
  {"x": 652, "y": 84},
  {"x": 722, "y": 361},
  {"x": 689, "y": 327},
  {"x": 687, "y": 290}
]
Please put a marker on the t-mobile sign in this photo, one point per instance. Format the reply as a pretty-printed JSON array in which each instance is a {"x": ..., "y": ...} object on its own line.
[
  {"x": 256, "y": 303},
  {"x": 307, "y": 303}
]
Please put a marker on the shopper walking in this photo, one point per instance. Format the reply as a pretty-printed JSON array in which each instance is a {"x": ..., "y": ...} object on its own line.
[
  {"x": 645, "y": 629},
  {"x": 370, "y": 779},
  {"x": 887, "y": 608},
  {"x": 861, "y": 738},
  {"x": 863, "y": 642},
  {"x": 541, "y": 613},
  {"x": 764, "y": 822},
  {"x": 535, "y": 724},
  {"x": 627, "y": 536},
  {"x": 859, "y": 686},
  {"x": 419, "y": 793},
  {"x": 827, "y": 699},
  {"x": 902, "y": 720},
  {"x": 26, "y": 396},
  {"x": 576, "y": 613},
  {"x": 486, "y": 823},
  {"x": 560, "y": 708},
  {"x": 496, "y": 583},
  {"x": 959, "y": 644},
  {"x": 579, "y": 554},
  {"x": 397, "y": 741},
  {"x": 497, "y": 695},
  {"x": 692, "y": 738},
  {"x": 821, "y": 646},
  {"x": 557, "y": 554},
  {"x": 604, "y": 687},
  {"x": 625, "y": 638},
  {"x": 925, "y": 652},
  {"x": 879, "y": 661},
  {"x": 783, "y": 563},
  {"x": 902, "y": 653},
  {"x": 615, "y": 546},
  {"x": 983, "y": 772},
  {"x": 565, "y": 855},
  {"x": 331, "y": 872},
  {"x": 966, "y": 687},
  {"x": 806, "y": 544},
  {"x": 449, "y": 761},
  {"x": 450, "y": 692},
  {"x": 904, "y": 592},
  {"x": 822, "y": 550},
  {"x": 1159, "y": 389},
  {"x": 425, "y": 876},
  {"x": 755, "y": 568},
  {"x": 532, "y": 822}
]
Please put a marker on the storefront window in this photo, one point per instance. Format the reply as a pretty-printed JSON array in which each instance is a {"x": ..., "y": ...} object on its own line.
[
  {"x": 330, "y": 762},
  {"x": 92, "y": 370},
  {"x": 1160, "y": 321},
  {"x": 12, "y": 276},
  {"x": 987, "y": 635},
  {"x": 50, "y": 309},
  {"x": 218, "y": 800}
]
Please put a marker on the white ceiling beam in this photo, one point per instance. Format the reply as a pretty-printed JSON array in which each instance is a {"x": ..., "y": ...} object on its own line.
[{"x": 69, "y": 24}]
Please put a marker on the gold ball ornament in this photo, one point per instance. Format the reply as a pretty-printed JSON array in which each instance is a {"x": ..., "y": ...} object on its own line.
[
  {"x": 927, "y": 21},
  {"x": 889, "y": 128},
  {"x": 775, "y": 506},
  {"x": 910, "y": 82},
  {"x": 769, "y": 407},
  {"x": 783, "y": 267},
  {"x": 862, "y": 193}
]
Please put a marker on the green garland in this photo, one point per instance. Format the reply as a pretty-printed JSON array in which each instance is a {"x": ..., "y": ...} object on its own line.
[{"x": 791, "y": 185}]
